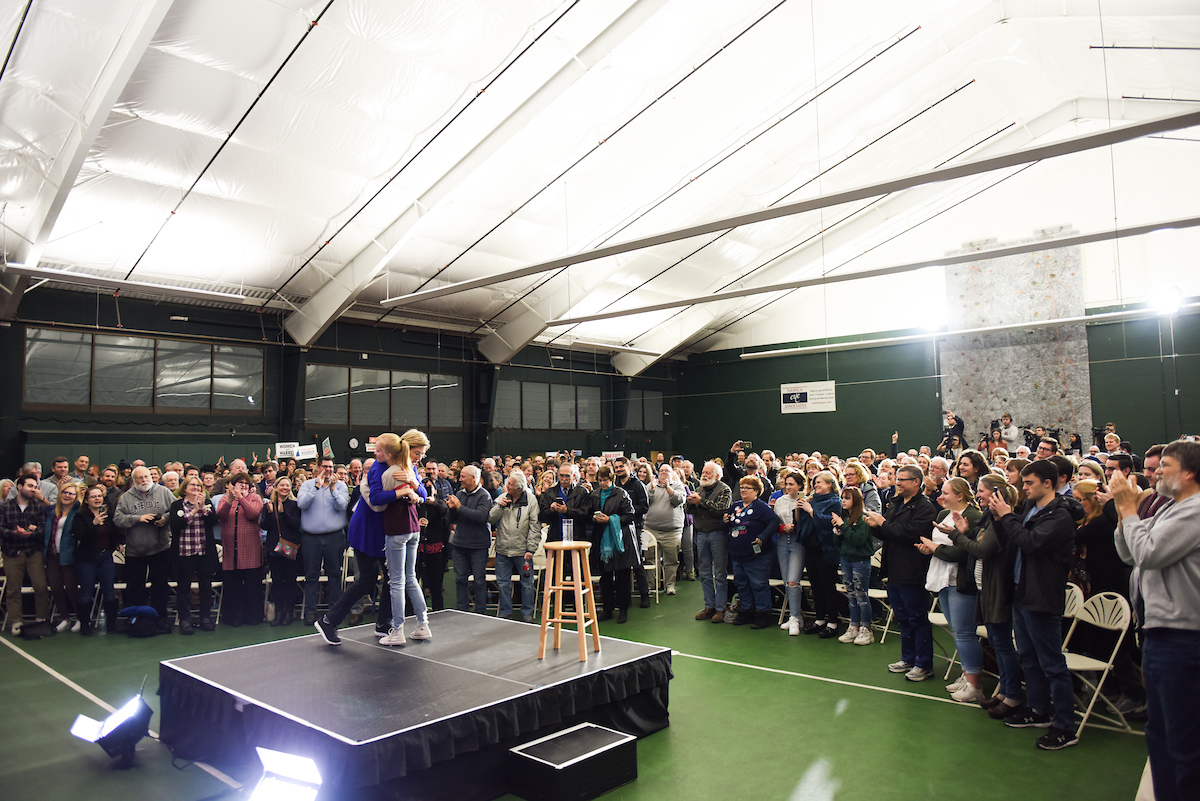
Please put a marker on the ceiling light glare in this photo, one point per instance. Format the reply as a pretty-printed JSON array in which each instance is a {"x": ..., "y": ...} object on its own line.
[{"x": 1167, "y": 300}]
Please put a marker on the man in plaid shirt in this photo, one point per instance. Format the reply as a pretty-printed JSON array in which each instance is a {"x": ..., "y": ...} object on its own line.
[{"x": 22, "y": 531}]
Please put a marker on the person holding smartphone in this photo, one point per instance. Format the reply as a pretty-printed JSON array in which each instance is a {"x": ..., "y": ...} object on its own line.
[
  {"x": 142, "y": 514},
  {"x": 752, "y": 524},
  {"x": 95, "y": 538},
  {"x": 514, "y": 521},
  {"x": 614, "y": 552}
]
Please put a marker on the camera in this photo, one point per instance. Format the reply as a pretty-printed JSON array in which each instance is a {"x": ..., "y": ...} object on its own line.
[{"x": 994, "y": 425}]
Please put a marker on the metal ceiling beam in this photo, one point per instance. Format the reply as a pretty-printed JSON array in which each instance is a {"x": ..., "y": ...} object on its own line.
[
  {"x": 1107, "y": 317},
  {"x": 962, "y": 258},
  {"x": 336, "y": 296},
  {"x": 1062, "y": 147},
  {"x": 140, "y": 28}
]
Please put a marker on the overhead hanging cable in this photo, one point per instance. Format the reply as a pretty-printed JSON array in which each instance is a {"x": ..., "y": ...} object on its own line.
[
  {"x": 582, "y": 158},
  {"x": 691, "y": 181},
  {"x": 312, "y": 24},
  {"x": 415, "y": 156}
]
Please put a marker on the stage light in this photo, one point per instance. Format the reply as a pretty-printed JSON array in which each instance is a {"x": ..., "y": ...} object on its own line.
[
  {"x": 1168, "y": 300},
  {"x": 286, "y": 777},
  {"x": 120, "y": 732}
]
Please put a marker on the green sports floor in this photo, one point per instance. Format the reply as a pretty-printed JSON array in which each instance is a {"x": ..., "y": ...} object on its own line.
[{"x": 754, "y": 714}]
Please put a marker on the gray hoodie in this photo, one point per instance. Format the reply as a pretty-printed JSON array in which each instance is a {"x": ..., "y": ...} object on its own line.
[
  {"x": 144, "y": 539},
  {"x": 1165, "y": 554}
]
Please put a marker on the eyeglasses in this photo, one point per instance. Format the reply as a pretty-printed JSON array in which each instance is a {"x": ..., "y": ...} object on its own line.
[{"x": 906, "y": 478}]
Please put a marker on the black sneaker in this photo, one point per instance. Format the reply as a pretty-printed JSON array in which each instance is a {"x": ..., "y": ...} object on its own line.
[
  {"x": 1027, "y": 719},
  {"x": 328, "y": 631},
  {"x": 1056, "y": 740},
  {"x": 185, "y": 627}
]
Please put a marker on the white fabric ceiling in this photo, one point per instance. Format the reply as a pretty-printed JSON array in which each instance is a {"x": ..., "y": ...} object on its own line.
[{"x": 366, "y": 160}]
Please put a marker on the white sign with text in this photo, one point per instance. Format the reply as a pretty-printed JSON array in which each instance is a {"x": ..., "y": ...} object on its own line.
[{"x": 811, "y": 396}]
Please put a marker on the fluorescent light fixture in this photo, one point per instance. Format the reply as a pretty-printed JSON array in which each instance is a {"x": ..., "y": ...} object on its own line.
[
  {"x": 120, "y": 732},
  {"x": 85, "y": 279},
  {"x": 286, "y": 777},
  {"x": 1168, "y": 300}
]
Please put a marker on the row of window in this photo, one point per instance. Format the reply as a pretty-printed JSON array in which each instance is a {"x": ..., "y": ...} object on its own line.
[
  {"x": 537, "y": 405},
  {"x": 140, "y": 374},
  {"x": 342, "y": 397}
]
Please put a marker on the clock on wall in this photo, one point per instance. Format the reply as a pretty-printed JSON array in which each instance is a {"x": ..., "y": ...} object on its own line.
[{"x": 353, "y": 443}]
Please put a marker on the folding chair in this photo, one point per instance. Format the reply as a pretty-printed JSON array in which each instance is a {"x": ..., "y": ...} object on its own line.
[
  {"x": 652, "y": 564},
  {"x": 881, "y": 596},
  {"x": 937, "y": 618},
  {"x": 1106, "y": 610}
]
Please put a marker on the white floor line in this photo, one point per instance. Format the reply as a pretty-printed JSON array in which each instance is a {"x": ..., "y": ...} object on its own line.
[
  {"x": 825, "y": 679},
  {"x": 109, "y": 708}
]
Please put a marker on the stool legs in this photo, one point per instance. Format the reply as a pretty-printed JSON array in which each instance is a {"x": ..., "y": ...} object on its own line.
[{"x": 580, "y": 584}]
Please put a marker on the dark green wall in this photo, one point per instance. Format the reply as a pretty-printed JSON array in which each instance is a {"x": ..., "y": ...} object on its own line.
[
  {"x": 879, "y": 390},
  {"x": 1136, "y": 383},
  {"x": 42, "y": 435}
]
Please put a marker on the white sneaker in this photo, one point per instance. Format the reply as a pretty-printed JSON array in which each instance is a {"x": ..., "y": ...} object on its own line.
[
  {"x": 849, "y": 634},
  {"x": 968, "y": 695},
  {"x": 958, "y": 684},
  {"x": 75, "y": 627},
  {"x": 422, "y": 632},
  {"x": 918, "y": 674},
  {"x": 394, "y": 637},
  {"x": 63, "y": 625},
  {"x": 16, "y": 629},
  {"x": 670, "y": 589},
  {"x": 793, "y": 626},
  {"x": 865, "y": 636},
  {"x": 787, "y": 624}
]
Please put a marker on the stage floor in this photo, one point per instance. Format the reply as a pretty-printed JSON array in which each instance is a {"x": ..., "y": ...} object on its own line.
[{"x": 375, "y": 713}]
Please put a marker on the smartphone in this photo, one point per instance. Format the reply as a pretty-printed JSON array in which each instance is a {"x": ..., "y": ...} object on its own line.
[
  {"x": 747, "y": 445},
  {"x": 757, "y": 548}
]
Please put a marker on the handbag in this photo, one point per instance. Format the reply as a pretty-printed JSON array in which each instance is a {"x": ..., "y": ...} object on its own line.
[{"x": 284, "y": 548}]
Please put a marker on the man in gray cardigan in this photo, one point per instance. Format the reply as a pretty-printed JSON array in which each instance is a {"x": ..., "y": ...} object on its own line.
[
  {"x": 142, "y": 514},
  {"x": 468, "y": 513},
  {"x": 1165, "y": 554},
  {"x": 514, "y": 520}
]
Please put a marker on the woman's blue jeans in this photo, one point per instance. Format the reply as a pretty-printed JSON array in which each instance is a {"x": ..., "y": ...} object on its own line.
[
  {"x": 857, "y": 578},
  {"x": 401, "y": 553},
  {"x": 959, "y": 609},
  {"x": 791, "y": 567}
]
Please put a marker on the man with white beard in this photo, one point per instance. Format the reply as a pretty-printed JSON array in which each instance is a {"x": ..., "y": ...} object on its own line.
[
  {"x": 1165, "y": 554},
  {"x": 142, "y": 515},
  {"x": 708, "y": 505}
]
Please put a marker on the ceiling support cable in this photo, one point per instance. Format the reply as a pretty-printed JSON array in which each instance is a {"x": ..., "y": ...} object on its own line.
[
  {"x": 417, "y": 155},
  {"x": 693, "y": 179},
  {"x": 312, "y": 24},
  {"x": 597, "y": 146}
]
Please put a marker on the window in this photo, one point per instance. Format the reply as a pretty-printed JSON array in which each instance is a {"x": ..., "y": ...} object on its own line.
[
  {"x": 645, "y": 412},
  {"x": 507, "y": 413},
  {"x": 369, "y": 397},
  {"x": 562, "y": 406},
  {"x": 587, "y": 408},
  {"x": 410, "y": 400},
  {"x": 140, "y": 374},
  {"x": 237, "y": 378},
  {"x": 58, "y": 367},
  {"x": 184, "y": 375},
  {"x": 124, "y": 371},
  {"x": 326, "y": 392},
  {"x": 535, "y": 405},
  {"x": 344, "y": 397},
  {"x": 445, "y": 401}
]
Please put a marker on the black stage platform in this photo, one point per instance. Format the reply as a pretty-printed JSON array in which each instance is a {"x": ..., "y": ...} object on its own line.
[{"x": 430, "y": 720}]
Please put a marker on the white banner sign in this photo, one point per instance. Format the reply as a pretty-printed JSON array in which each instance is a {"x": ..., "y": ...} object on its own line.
[
  {"x": 610, "y": 456},
  {"x": 813, "y": 396},
  {"x": 306, "y": 452},
  {"x": 286, "y": 450}
]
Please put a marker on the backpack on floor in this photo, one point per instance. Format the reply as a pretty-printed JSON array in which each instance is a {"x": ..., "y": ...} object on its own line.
[{"x": 37, "y": 631}]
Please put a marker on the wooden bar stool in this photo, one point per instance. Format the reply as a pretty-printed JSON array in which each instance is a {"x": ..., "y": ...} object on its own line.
[{"x": 580, "y": 583}]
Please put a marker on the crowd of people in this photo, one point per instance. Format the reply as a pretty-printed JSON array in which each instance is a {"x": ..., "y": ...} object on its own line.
[{"x": 993, "y": 534}]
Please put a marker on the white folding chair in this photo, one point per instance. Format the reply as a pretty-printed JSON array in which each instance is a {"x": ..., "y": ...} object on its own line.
[
  {"x": 1106, "y": 610},
  {"x": 881, "y": 596},
  {"x": 937, "y": 618}
]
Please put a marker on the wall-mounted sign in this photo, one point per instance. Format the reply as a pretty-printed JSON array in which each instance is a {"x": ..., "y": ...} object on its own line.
[{"x": 812, "y": 396}]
